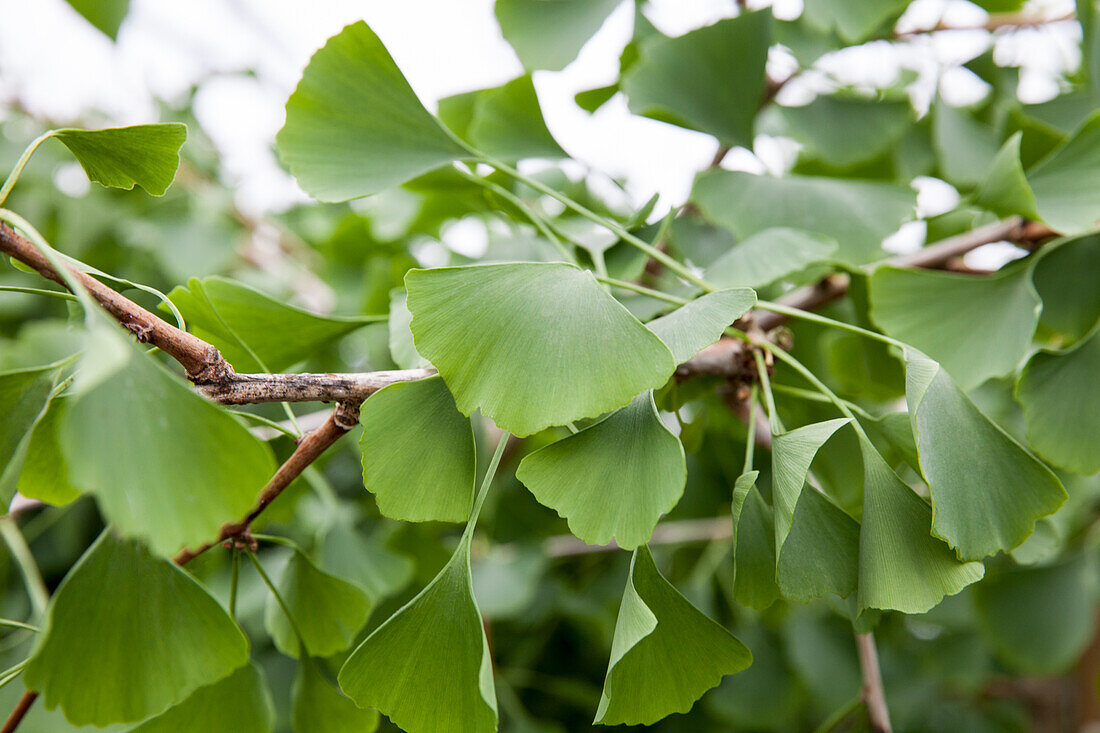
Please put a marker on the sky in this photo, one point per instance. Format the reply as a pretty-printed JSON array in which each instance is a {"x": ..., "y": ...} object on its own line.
[{"x": 60, "y": 68}]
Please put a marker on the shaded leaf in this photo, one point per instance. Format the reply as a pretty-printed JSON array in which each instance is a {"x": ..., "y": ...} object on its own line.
[
  {"x": 328, "y": 611},
  {"x": 768, "y": 255},
  {"x": 240, "y": 703},
  {"x": 548, "y": 34},
  {"x": 821, "y": 552},
  {"x": 1060, "y": 394},
  {"x": 128, "y": 635},
  {"x": 725, "y": 65},
  {"x": 317, "y": 706},
  {"x": 427, "y": 667},
  {"x": 754, "y": 583},
  {"x": 853, "y": 20},
  {"x": 1005, "y": 190},
  {"x": 701, "y": 322},
  {"x": 365, "y": 561},
  {"x": 612, "y": 480},
  {"x": 418, "y": 452},
  {"x": 1065, "y": 278},
  {"x": 665, "y": 654},
  {"x": 792, "y": 454},
  {"x": 965, "y": 148},
  {"x": 507, "y": 579},
  {"x": 122, "y": 157},
  {"x": 844, "y": 131},
  {"x": 1064, "y": 182},
  {"x": 504, "y": 122},
  {"x": 44, "y": 475},
  {"x": 354, "y": 126},
  {"x": 531, "y": 344},
  {"x": 24, "y": 400},
  {"x": 987, "y": 491}
]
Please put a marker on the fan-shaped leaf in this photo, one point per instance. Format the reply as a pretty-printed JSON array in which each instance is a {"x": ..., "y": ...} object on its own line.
[
  {"x": 354, "y": 126},
  {"x": 1065, "y": 276},
  {"x": 106, "y": 15},
  {"x": 614, "y": 479},
  {"x": 402, "y": 350},
  {"x": 44, "y": 475},
  {"x": 128, "y": 635},
  {"x": 1064, "y": 182},
  {"x": 853, "y": 20},
  {"x": 767, "y": 256},
  {"x": 365, "y": 561},
  {"x": 754, "y": 582},
  {"x": 240, "y": 703},
  {"x": 987, "y": 491},
  {"x": 548, "y": 35},
  {"x": 427, "y": 667},
  {"x": 966, "y": 148},
  {"x": 418, "y": 452},
  {"x": 531, "y": 344},
  {"x": 821, "y": 552},
  {"x": 666, "y": 653},
  {"x": 701, "y": 322},
  {"x": 317, "y": 706},
  {"x": 24, "y": 399},
  {"x": 792, "y": 454},
  {"x": 1005, "y": 190},
  {"x": 843, "y": 131},
  {"x": 122, "y": 157},
  {"x": 504, "y": 122},
  {"x": 328, "y": 611}
]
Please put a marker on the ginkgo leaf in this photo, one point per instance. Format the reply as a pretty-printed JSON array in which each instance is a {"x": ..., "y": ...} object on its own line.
[
  {"x": 966, "y": 148},
  {"x": 1063, "y": 182},
  {"x": 1005, "y": 190},
  {"x": 1060, "y": 394},
  {"x": 133, "y": 435},
  {"x": 532, "y": 344},
  {"x": 820, "y": 554},
  {"x": 548, "y": 35},
  {"x": 792, "y": 454},
  {"x": 665, "y": 654},
  {"x": 240, "y": 703},
  {"x": 701, "y": 322},
  {"x": 767, "y": 256},
  {"x": 365, "y": 561},
  {"x": 106, "y": 15},
  {"x": 505, "y": 122},
  {"x": 402, "y": 350},
  {"x": 987, "y": 491},
  {"x": 243, "y": 322},
  {"x": 327, "y": 611},
  {"x": 127, "y": 635},
  {"x": 24, "y": 399},
  {"x": 318, "y": 706},
  {"x": 853, "y": 20},
  {"x": 754, "y": 582},
  {"x": 418, "y": 452},
  {"x": 843, "y": 130},
  {"x": 44, "y": 475},
  {"x": 1064, "y": 278},
  {"x": 614, "y": 479},
  {"x": 936, "y": 311},
  {"x": 427, "y": 667},
  {"x": 354, "y": 126},
  {"x": 122, "y": 157},
  {"x": 901, "y": 565}
]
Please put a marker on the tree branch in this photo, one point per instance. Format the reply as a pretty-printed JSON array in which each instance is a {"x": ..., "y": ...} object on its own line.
[
  {"x": 874, "y": 696},
  {"x": 249, "y": 389}
]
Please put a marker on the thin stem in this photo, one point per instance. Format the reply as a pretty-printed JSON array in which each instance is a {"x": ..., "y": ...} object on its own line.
[
  {"x": 751, "y": 424},
  {"x": 13, "y": 624},
  {"x": 277, "y": 540},
  {"x": 490, "y": 473},
  {"x": 766, "y": 385},
  {"x": 840, "y": 714},
  {"x": 811, "y": 396},
  {"x": 234, "y": 578},
  {"x": 268, "y": 422},
  {"x": 32, "y": 578},
  {"x": 54, "y": 258},
  {"x": 11, "y": 673},
  {"x": 873, "y": 693},
  {"x": 279, "y": 599},
  {"x": 833, "y": 323},
  {"x": 606, "y": 223},
  {"x": 642, "y": 290},
  {"x": 37, "y": 291},
  {"x": 9, "y": 182}
]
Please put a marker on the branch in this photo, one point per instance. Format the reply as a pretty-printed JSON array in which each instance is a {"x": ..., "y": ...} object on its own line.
[
  {"x": 248, "y": 389},
  {"x": 874, "y": 696},
  {"x": 19, "y": 712},
  {"x": 994, "y": 23}
]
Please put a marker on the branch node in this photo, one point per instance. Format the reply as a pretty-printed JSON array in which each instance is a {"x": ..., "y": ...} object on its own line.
[{"x": 346, "y": 415}]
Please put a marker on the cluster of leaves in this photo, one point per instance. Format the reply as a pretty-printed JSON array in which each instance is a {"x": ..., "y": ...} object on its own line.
[{"x": 982, "y": 490}]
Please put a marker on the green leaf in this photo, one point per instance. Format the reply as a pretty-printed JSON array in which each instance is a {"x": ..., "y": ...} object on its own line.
[
  {"x": 242, "y": 321},
  {"x": 24, "y": 400},
  {"x": 240, "y": 703},
  {"x": 163, "y": 463},
  {"x": 354, "y": 126},
  {"x": 1060, "y": 394},
  {"x": 328, "y": 611},
  {"x": 844, "y": 131},
  {"x": 127, "y": 635},
  {"x": 725, "y": 65},
  {"x": 987, "y": 491},
  {"x": 1064, "y": 182},
  {"x": 122, "y": 157},
  {"x": 367, "y": 562},
  {"x": 821, "y": 552},
  {"x": 614, "y": 479},
  {"x": 44, "y": 475},
  {"x": 936, "y": 313},
  {"x": 532, "y": 344},
  {"x": 504, "y": 122},
  {"x": 418, "y": 452},
  {"x": 768, "y": 255},
  {"x": 427, "y": 668},
  {"x": 317, "y": 706},
  {"x": 965, "y": 148},
  {"x": 901, "y": 566},
  {"x": 548, "y": 34},
  {"x": 853, "y": 20},
  {"x": 701, "y": 322},
  {"x": 792, "y": 454},
  {"x": 754, "y": 583},
  {"x": 402, "y": 350},
  {"x": 106, "y": 15},
  {"x": 1005, "y": 190},
  {"x": 1065, "y": 278},
  {"x": 1038, "y": 620},
  {"x": 666, "y": 653},
  {"x": 857, "y": 214}
]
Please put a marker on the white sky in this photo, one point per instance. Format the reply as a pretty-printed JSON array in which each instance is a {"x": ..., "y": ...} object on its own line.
[{"x": 60, "y": 67}]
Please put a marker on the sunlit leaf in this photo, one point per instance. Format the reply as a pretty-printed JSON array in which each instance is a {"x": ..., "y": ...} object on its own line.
[
  {"x": 768, "y": 255},
  {"x": 754, "y": 583},
  {"x": 229, "y": 314},
  {"x": 901, "y": 565},
  {"x": 1060, "y": 394},
  {"x": 936, "y": 313},
  {"x": 701, "y": 322},
  {"x": 504, "y": 122},
  {"x": 665, "y": 654},
  {"x": 725, "y": 65},
  {"x": 122, "y": 157},
  {"x": 328, "y": 611},
  {"x": 853, "y": 20},
  {"x": 857, "y": 214},
  {"x": 128, "y": 635},
  {"x": 987, "y": 491},
  {"x": 354, "y": 126},
  {"x": 427, "y": 667},
  {"x": 612, "y": 480},
  {"x": 402, "y": 349},
  {"x": 106, "y": 15},
  {"x": 530, "y": 344},
  {"x": 240, "y": 703},
  {"x": 548, "y": 34},
  {"x": 317, "y": 706},
  {"x": 1063, "y": 182},
  {"x": 418, "y": 452}
]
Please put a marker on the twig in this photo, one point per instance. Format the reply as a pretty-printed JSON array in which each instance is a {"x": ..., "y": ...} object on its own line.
[
  {"x": 678, "y": 532},
  {"x": 248, "y": 389},
  {"x": 874, "y": 696},
  {"x": 994, "y": 23},
  {"x": 19, "y": 712}
]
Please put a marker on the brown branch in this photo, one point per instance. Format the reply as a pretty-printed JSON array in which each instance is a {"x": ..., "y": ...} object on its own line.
[
  {"x": 19, "y": 712},
  {"x": 996, "y": 22},
  {"x": 248, "y": 389},
  {"x": 874, "y": 696}
]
